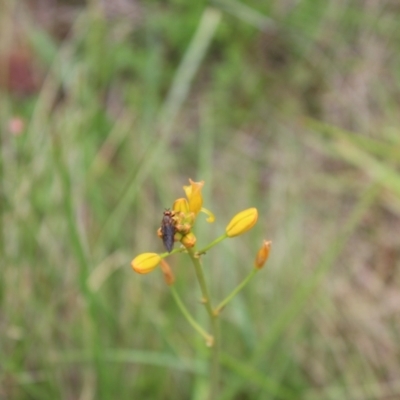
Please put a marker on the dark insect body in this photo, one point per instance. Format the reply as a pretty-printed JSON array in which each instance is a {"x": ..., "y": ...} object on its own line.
[{"x": 168, "y": 230}]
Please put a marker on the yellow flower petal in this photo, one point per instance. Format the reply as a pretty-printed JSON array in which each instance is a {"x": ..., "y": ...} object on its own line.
[
  {"x": 181, "y": 205},
  {"x": 193, "y": 193},
  {"x": 145, "y": 263},
  {"x": 262, "y": 254},
  {"x": 211, "y": 216},
  {"x": 242, "y": 222}
]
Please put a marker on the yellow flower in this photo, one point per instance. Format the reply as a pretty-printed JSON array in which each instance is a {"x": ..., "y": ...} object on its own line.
[
  {"x": 145, "y": 263},
  {"x": 242, "y": 222},
  {"x": 193, "y": 193},
  {"x": 262, "y": 254},
  {"x": 186, "y": 210}
]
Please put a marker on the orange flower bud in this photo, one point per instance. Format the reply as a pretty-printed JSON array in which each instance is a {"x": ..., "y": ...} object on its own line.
[
  {"x": 242, "y": 222},
  {"x": 189, "y": 240},
  {"x": 145, "y": 263},
  {"x": 263, "y": 254},
  {"x": 168, "y": 275}
]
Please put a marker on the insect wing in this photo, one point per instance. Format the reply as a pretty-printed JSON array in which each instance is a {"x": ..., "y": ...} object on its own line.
[
  {"x": 168, "y": 230},
  {"x": 168, "y": 237}
]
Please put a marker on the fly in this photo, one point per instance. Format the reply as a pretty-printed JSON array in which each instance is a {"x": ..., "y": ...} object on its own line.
[{"x": 168, "y": 229}]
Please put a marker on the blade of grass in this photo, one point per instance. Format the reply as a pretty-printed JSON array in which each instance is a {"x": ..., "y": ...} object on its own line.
[
  {"x": 349, "y": 149},
  {"x": 121, "y": 356},
  {"x": 246, "y": 14},
  {"x": 371, "y": 145},
  {"x": 130, "y": 356},
  {"x": 255, "y": 377}
]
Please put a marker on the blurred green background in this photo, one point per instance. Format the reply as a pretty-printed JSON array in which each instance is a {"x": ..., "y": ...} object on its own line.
[{"x": 108, "y": 107}]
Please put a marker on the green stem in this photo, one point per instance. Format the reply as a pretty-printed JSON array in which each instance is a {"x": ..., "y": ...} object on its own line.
[
  {"x": 235, "y": 291},
  {"x": 188, "y": 316},
  {"x": 174, "y": 251},
  {"x": 215, "y": 365},
  {"x": 212, "y": 244}
]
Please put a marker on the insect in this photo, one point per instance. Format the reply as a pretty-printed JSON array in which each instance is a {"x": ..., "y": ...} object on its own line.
[{"x": 168, "y": 229}]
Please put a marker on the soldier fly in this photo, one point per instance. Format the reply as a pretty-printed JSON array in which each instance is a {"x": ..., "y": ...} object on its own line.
[{"x": 168, "y": 229}]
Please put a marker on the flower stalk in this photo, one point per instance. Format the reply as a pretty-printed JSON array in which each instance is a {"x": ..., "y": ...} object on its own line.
[
  {"x": 207, "y": 337},
  {"x": 212, "y": 244},
  {"x": 234, "y": 292},
  {"x": 215, "y": 345}
]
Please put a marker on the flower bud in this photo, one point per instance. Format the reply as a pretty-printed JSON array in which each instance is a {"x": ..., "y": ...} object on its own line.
[
  {"x": 262, "y": 255},
  {"x": 145, "y": 263},
  {"x": 189, "y": 240},
  {"x": 242, "y": 222}
]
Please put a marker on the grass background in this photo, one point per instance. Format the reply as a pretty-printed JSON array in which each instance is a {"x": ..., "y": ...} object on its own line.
[{"x": 107, "y": 108}]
